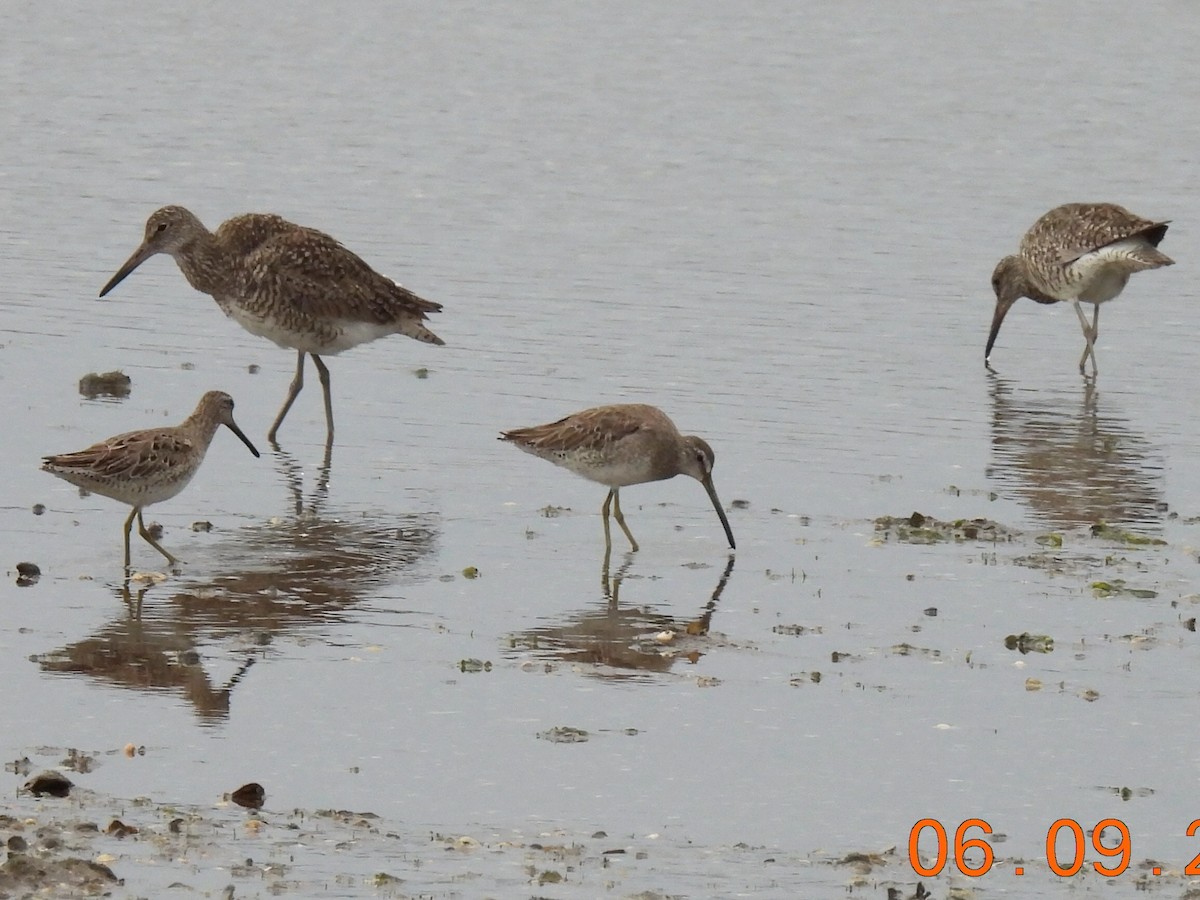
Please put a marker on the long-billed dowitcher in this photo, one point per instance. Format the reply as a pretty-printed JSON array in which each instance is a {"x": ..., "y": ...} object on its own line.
[
  {"x": 618, "y": 446},
  {"x": 293, "y": 285},
  {"x": 149, "y": 466},
  {"x": 1081, "y": 252}
]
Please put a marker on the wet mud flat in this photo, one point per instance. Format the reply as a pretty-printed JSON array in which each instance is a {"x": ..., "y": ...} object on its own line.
[{"x": 89, "y": 845}]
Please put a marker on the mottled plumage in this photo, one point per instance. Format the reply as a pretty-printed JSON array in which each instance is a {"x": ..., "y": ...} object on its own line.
[
  {"x": 295, "y": 286},
  {"x": 145, "y": 467},
  {"x": 618, "y": 446},
  {"x": 1081, "y": 252}
]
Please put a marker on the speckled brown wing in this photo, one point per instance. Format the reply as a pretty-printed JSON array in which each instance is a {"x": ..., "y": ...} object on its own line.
[
  {"x": 135, "y": 455},
  {"x": 325, "y": 281},
  {"x": 1069, "y": 231},
  {"x": 588, "y": 429}
]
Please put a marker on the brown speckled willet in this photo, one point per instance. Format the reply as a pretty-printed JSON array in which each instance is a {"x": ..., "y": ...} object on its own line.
[
  {"x": 149, "y": 466},
  {"x": 293, "y": 285},
  {"x": 1081, "y": 252},
  {"x": 618, "y": 446}
]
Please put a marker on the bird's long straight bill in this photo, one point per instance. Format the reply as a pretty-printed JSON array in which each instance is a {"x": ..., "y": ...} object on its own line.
[
  {"x": 712, "y": 495},
  {"x": 1002, "y": 308},
  {"x": 245, "y": 440},
  {"x": 140, "y": 255}
]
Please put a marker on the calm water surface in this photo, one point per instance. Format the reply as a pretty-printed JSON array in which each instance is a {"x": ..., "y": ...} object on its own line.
[{"x": 775, "y": 223}]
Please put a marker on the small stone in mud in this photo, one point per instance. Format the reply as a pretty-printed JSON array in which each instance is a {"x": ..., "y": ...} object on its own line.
[
  {"x": 251, "y": 796},
  {"x": 119, "y": 829},
  {"x": 470, "y": 572},
  {"x": 39, "y": 509},
  {"x": 17, "y": 844},
  {"x": 27, "y": 573},
  {"x": 472, "y": 665},
  {"x": 187, "y": 366},
  {"x": 421, "y": 373},
  {"x": 202, "y": 526},
  {"x": 70, "y": 877},
  {"x": 931, "y": 611},
  {"x": 49, "y": 782},
  {"x": 740, "y": 504},
  {"x": 253, "y": 368},
  {"x": 155, "y": 529},
  {"x": 106, "y": 384}
]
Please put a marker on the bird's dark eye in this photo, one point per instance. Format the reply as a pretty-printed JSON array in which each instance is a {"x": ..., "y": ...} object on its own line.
[{"x": 162, "y": 226}]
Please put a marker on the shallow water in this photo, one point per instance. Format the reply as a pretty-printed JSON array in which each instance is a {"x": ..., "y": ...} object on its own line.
[{"x": 777, "y": 225}]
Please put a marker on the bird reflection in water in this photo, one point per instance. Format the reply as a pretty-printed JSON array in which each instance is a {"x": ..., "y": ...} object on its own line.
[
  {"x": 151, "y": 654},
  {"x": 291, "y": 571},
  {"x": 284, "y": 576},
  {"x": 1070, "y": 461},
  {"x": 616, "y": 642}
]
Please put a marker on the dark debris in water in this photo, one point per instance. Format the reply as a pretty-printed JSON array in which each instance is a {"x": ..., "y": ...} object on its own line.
[
  {"x": 105, "y": 384},
  {"x": 906, "y": 649},
  {"x": 918, "y": 528},
  {"x": 1030, "y": 643},
  {"x": 54, "y": 784},
  {"x": 1117, "y": 587},
  {"x": 797, "y": 630},
  {"x": 251, "y": 796},
  {"x": 28, "y": 574},
  {"x": 1129, "y": 538},
  {"x": 564, "y": 734}
]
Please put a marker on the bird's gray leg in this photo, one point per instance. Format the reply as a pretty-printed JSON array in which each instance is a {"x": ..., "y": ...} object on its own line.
[
  {"x": 616, "y": 494},
  {"x": 151, "y": 541},
  {"x": 323, "y": 374},
  {"x": 604, "y": 518},
  {"x": 128, "y": 526},
  {"x": 293, "y": 392},
  {"x": 1089, "y": 335}
]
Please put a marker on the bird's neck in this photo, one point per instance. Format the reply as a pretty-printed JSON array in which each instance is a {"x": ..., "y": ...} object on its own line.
[
  {"x": 202, "y": 425},
  {"x": 1025, "y": 287},
  {"x": 205, "y": 264}
]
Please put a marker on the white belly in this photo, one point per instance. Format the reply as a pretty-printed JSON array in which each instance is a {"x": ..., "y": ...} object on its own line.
[
  {"x": 323, "y": 338},
  {"x": 1099, "y": 276}
]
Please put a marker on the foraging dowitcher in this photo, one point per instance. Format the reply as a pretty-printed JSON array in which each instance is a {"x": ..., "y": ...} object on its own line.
[
  {"x": 293, "y": 285},
  {"x": 618, "y": 446},
  {"x": 1081, "y": 252},
  {"x": 149, "y": 466}
]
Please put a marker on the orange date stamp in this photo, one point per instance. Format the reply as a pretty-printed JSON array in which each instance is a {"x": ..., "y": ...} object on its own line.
[{"x": 1067, "y": 848}]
